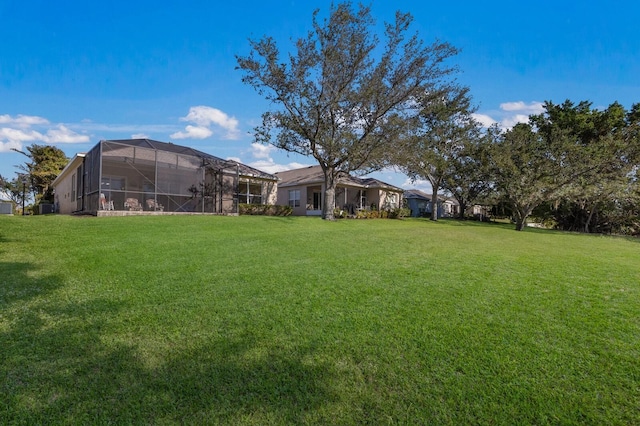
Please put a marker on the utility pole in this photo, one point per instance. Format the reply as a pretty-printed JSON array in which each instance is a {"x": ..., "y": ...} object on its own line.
[{"x": 24, "y": 192}]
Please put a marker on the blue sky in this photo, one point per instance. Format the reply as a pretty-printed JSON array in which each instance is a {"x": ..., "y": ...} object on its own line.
[{"x": 75, "y": 72}]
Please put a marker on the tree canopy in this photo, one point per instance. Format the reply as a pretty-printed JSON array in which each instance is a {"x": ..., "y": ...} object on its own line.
[
  {"x": 568, "y": 154},
  {"x": 343, "y": 95},
  {"x": 46, "y": 163},
  {"x": 438, "y": 135}
]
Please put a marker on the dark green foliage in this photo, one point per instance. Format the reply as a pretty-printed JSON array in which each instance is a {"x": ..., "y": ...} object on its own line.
[
  {"x": 603, "y": 152},
  {"x": 46, "y": 163},
  {"x": 580, "y": 160}
]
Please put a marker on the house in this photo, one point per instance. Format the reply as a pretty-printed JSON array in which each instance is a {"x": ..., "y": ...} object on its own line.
[
  {"x": 6, "y": 207},
  {"x": 143, "y": 176},
  {"x": 420, "y": 204},
  {"x": 303, "y": 189}
]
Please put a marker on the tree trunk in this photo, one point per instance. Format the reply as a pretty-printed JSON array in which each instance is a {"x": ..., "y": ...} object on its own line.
[
  {"x": 434, "y": 204},
  {"x": 329, "y": 205},
  {"x": 590, "y": 217},
  {"x": 463, "y": 208},
  {"x": 522, "y": 213}
]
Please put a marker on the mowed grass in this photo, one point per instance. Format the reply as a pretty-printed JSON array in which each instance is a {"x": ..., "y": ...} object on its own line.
[{"x": 266, "y": 320}]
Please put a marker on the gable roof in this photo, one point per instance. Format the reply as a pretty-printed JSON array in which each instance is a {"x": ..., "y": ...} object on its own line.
[
  {"x": 420, "y": 195},
  {"x": 243, "y": 169},
  {"x": 313, "y": 175},
  {"x": 417, "y": 194}
]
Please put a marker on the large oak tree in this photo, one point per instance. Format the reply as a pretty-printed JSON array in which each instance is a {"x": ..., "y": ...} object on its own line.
[{"x": 342, "y": 95}]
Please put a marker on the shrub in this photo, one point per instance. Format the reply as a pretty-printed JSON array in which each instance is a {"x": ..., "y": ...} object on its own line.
[
  {"x": 283, "y": 210},
  {"x": 265, "y": 210},
  {"x": 399, "y": 213}
]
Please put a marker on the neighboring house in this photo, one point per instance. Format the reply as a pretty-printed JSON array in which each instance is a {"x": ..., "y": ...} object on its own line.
[
  {"x": 420, "y": 204},
  {"x": 6, "y": 207},
  {"x": 481, "y": 212},
  {"x": 135, "y": 176},
  {"x": 303, "y": 189}
]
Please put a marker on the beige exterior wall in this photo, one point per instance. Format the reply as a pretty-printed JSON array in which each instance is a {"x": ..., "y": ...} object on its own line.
[
  {"x": 388, "y": 199},
  {"x": 62, "y": 198},
  {"x": 346, "y": 197},
  {"x": 65, "y": 201},
  {"x": 283, "y": 199},
  {"x": 270, "y": 192}
]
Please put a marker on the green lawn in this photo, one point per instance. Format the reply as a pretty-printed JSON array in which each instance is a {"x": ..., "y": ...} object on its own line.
[{"x": 271, "y": 320}]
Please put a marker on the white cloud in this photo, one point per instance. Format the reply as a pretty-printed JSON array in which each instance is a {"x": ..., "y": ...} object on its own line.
[
  {"x": 17, "y": 135},
  {"x": 23, "y": 120},
  {"x": 259, "y": 150},
  {"x": 420, "y": 184},
  {"x": 484, "y": 119},
  {"x": 62, "y": 134},
  {"x": 264, "y": 162},
  {"x": 8, "y": 146},
  {"x": 271, "y": 166},
  {"x": 519, "y": 106},
  {"x": 204, "y": 117},
  {"x": 509, "y": 122},
  {"x": 193, "y": 132},
  {"x": 19, "y": 131},
  {"x": 140, "y": 136},
  {"x": 510, "y": 114}
]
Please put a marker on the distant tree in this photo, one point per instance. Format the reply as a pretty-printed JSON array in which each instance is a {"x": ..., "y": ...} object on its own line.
[
  {"x": 601, "y": 154},
  {"x": 569, "y": 153},
  {"x": 524, "y": 169},
  {"x": 442, "y": 128},
  {"x": 13, "y": 189},
  {"x": 469, "y": 179},
  {"x": 342, "y": 96},
  {"x": 46, "y": 163}
]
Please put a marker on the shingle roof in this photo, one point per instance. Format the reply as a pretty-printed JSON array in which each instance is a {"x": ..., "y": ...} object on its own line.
[
  {"x": 314, "y": 175},
  {"x": 243, "y": 169},
  {"x": 415, "y": 193}
]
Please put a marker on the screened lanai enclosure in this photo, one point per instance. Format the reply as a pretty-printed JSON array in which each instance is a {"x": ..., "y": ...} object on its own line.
[{"x": 141, "y": 175}]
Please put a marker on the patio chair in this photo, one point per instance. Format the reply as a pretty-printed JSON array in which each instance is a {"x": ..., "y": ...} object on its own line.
[
  {"x": 154, "y": 206},
  {"x": 104, "y": 204},
  {"x": 133, "y": 204}
]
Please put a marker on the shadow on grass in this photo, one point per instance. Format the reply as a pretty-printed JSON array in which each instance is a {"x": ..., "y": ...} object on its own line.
[
  {"x": 62, "y": 362},
  {"x": 532, "y": 229},
  {"x": 17, "y": 285},
  {"x": 466, "y": 222}
]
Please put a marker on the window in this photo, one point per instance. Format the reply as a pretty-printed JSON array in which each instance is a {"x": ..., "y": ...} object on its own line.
[
  {"x": 73, "y": 187},
  {"x": 250, "y": 193},
  {"x": 294, "y": 197}
]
